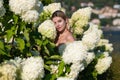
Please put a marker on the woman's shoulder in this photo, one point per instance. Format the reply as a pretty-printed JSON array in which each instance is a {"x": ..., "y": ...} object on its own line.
[{"x": 70, "y": 37}]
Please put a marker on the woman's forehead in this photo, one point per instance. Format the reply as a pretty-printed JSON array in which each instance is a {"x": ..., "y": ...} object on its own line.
[{"x": 57, "y": 18}]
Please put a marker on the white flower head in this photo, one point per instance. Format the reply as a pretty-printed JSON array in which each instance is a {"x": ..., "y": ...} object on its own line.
[
  {"x": 8, "y": 71},
  {"x": 106, "y": 54},
  {"x": 82, "y": 16},
  {"x": 30, "y": 16},
  {"x": 105, "y": 42},
  {"x": 92, "y": 36},
  {"x": 54, "y": 69},
  {"x": 78, "y": 30},
  {"x": 103, "y": 64},
  {"x": 52, "y": 7},
  {"x": 74, "y": 52},
  {"x": 90, "y": 57},
  {"x": 32, "y": 68},
  {"x": 21, "y": 6},
  {"x": 75, "y": 69},
  {"x": 47, "y": 29}
]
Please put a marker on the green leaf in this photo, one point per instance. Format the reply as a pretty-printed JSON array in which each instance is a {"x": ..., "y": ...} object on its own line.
[
  {"x": 94, "y": 74},
  {"x": 50, "y": 77},
  {"x": 38, "y": 41},
  {"x": 47, "y": 67},
  {"x": 9, "y": 34},
  {"x": 46, "y": 50},
  {"x": 1, "y": 45},
  {"x": 60, "y": 68},
  {"x": 20, "y": 43},
  {"x": 45, "y": 42},
  {"x": 26, "y": 34},
  {"x": 15, "y": 19},
  {"x": 55, "y": 57},
  {"x": 67, "y": 68},
  {"x": 52, "y": 44},
  {"x": 28, "y": 44},
  {"x": 2, "y": 52},
  {"x": 53, "y": 77},
  {"x": 51, "y": 62}
]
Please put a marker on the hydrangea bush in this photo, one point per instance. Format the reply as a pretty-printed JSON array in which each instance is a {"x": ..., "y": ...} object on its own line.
[{"x": 28, "y": 52}]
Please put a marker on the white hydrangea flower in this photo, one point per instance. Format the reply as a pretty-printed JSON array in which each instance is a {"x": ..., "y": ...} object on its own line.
[
  {"x": 8, "y": 71},
  {"x": 92, "y": 36},
  {"x": 30, "y": 16},
  {"x": 90, "y": 40},
  {"x": 21, "y": 6},
  {"x": 52, "y": 7},
  {"x": 75, "y": 69},
  {"x": 74, "y": 52},
  {"x": 65, "y": 78},
  {"x": 2, "y": 9},
  {"x": 90, "y": 57},
  {"x": 63, "y": 9},
  {"x": 83, "y": 13},
  {"x": 54, "y": 69},
  {"x": 81, "y": 23},
  {"x": 106, "y": 54},
  {"x": 16, "y": 61},
  {"x": 32, "y": 68},
  {"x": 105, "y": 42},
  {"x": 82, "y": 17},
  {"x": 47, "y": 29},
  {"x": 93, "y": 28},
  {"x": 78, "y": 30},
  {"x": 103, "y": 64}
]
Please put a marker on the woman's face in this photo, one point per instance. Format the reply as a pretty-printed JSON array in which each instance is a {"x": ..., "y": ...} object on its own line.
[{"x": 60, "y": 23}]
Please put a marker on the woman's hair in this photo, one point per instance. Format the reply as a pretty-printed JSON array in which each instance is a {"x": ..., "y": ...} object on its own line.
[{"x": 59, "y": 13}]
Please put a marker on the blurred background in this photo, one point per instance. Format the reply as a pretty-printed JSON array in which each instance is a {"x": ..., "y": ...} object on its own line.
[{"x": 107, "y": 14}]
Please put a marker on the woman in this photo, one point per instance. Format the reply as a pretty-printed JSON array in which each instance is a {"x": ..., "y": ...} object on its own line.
[{"x": 61, "y": 23}]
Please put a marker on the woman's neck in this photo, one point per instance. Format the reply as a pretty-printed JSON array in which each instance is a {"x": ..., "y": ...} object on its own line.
[{"x": 63, "y": 32}]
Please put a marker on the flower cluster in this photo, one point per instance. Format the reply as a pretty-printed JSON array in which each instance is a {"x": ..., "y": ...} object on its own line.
[
  {"x": 77, "y": 54},
  {"x": 105, "y": 42},
  {"x": 32, "y": 68},
  {"x": 92, "y": 36},
  {"x": 8, "y": 71},
  {"x": 29, "y": 10},
  {"x": 23, "y": 69},
  {"x": 47, "y": 29},
  {"x": 81, "y": 53},
  {"x": 103, "y": 63},
  {"x": 50, "y": 9},
  {"x": 80, "y": 19},
  {"x": 2, "y": 9}
]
